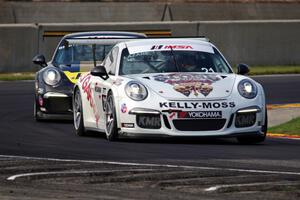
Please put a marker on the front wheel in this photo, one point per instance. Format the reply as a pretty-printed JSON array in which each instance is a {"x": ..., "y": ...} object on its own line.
[
  {"x": 111, "y": 129},
  {"x": 36, "y": 114},
  {"x": 77, "y": 114},
  {"x": 258, "y": 138}
]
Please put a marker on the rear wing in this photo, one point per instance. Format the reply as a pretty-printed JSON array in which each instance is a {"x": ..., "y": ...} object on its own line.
[
  {"x": 114, "y": 40},
  {"x": 201, "y": 38},
  {"x": 104, "y": 41}
]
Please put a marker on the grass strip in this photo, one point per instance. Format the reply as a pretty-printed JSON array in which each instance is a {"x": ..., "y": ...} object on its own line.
[
  {"x": 266, "y": 70},
  {"x": 17, "y": 76},
  {"x": 290, "y": 128},
  {"x": 254, "y": 70}
]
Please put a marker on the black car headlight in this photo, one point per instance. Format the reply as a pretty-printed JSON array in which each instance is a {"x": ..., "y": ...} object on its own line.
[
  {"x": 51, "y": 76},
  {"x": 247, "y": 89},
  {"x": 136, "y": 91}
]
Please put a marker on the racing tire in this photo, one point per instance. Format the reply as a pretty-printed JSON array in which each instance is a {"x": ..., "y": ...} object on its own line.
[
  {"x": 36, "y": 115},
  {"x": 78, "y": 114},
  {"x": 258, "y": 138},
  {"x": 111, "y": 129}
]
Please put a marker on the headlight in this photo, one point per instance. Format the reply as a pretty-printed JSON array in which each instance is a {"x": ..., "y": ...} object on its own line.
[
  {"x": 247, "y": 89},
  {"x": 136, "y": 91},
  {"x": 51, "y": 76}
]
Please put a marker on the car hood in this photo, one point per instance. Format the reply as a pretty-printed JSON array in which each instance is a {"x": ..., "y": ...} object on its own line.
[{"x": 192, "y": 86}]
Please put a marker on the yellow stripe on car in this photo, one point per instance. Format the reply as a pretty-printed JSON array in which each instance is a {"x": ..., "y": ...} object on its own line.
[
  {"x": 84, "y": 67},
  {"x": 72, "y": 76}
]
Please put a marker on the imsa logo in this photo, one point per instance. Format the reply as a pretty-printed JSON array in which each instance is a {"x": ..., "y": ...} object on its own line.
[{"x": 156, "y": 47}]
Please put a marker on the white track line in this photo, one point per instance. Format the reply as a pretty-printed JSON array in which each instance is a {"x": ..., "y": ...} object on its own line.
[
  {"x": 14, "y": 177},
  {"x": 275, "y": 75},
  {"x": 217, "y": 187},
  {"x": 155, "y": 165}
]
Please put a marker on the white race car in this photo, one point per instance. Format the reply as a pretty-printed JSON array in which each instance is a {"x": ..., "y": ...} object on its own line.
[{"x": 169, "y": 87}]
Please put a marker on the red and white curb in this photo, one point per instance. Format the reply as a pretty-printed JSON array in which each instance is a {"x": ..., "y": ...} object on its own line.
[
  {"x": 286, "y": 136},
  {"x": 281, "y": 135}
]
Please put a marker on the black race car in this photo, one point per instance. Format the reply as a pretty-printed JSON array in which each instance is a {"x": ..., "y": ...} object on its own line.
[{"x": 75, "y": 53}]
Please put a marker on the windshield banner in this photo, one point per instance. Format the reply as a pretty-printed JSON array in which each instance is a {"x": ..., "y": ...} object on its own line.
[{"x": 170, "y": 47}]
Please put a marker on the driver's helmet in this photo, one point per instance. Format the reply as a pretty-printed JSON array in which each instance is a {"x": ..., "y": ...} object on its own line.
[{"x": 187, "y": 60}]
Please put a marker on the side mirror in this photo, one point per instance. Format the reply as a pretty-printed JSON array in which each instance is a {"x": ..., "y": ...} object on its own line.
[
  {"x": 243, "y": 69},
  {"x": 100, "y": 71},
  {"x": 40, "y": 60}
]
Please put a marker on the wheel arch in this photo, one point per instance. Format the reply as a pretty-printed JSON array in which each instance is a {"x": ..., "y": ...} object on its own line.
[
  {"x": 77, "y": 87},
  {"x": 114, "y": 92}
]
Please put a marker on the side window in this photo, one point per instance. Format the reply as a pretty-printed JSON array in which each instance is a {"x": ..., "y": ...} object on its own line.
[
  {"x": 113, "y": 59},
  {"x": 220, "y": 63},
  {"x": 107, "y": 62}
]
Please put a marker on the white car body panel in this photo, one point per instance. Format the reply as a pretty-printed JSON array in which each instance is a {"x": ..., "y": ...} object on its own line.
[{"x": 166, "y": 95}]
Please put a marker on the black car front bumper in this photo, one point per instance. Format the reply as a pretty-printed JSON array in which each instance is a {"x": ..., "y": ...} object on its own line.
[{"x": 54, "y": 105}]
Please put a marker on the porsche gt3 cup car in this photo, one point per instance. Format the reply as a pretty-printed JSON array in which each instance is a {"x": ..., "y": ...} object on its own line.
[
  {"x": 169, "y": 87},
  {"x": 74, "y": 55}
]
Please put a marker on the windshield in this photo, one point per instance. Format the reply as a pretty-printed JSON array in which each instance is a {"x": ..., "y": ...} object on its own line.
[
  {"x": 172, "y": 61},
  {"x": 76, "y": 53}
]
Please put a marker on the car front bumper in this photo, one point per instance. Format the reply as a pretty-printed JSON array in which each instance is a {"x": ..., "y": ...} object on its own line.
[
  {"x": 55, "y": 103},
  {"x": 243, "y": 119}
]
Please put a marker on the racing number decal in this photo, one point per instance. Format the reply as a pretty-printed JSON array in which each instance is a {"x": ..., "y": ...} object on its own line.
[{"x": 205, "y": 70}]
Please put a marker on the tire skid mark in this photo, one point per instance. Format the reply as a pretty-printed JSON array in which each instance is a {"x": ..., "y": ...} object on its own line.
[
  {"x": 152, "y": 176},
  {"x": 70, "y": 172},
  {"x": 157, "y": 165},
  {"x": 227, "y": 178}
]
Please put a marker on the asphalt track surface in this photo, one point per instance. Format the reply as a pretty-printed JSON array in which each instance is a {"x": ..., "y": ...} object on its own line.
[{"x": 184, "y": 169}]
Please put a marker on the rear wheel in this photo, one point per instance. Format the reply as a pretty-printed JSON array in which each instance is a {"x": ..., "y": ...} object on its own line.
[
  {"x": 111, "y": 129},
  {"x": 258, "y": 138},
  {"x": 77, "y": 114}
]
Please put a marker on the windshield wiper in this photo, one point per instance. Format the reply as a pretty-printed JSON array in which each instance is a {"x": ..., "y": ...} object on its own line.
[
  {"x": 103, "y": 54},
  {"x": 172, "y": 52},
  {"x": 94, "y": 55}
]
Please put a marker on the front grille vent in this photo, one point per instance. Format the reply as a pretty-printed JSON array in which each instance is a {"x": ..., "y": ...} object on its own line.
[{"x": 199, "y": 124}]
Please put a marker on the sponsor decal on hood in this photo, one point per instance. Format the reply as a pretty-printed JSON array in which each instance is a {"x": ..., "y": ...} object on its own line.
[
  {"x": 196, "y": 105},
  {"x": 190, "y": 83}
]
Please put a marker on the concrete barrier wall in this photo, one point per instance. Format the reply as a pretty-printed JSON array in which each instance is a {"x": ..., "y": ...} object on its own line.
[
  {"x": 234, "y": 11},
  {"x": 6, "y": 13},
  {"x": 18, "y": 45},
  {"x": 81, "y": 12},
  {"x": 251, "y": 42},
  {"x": 72, "y": 12},
  {"x": 256, "y": 42}
]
